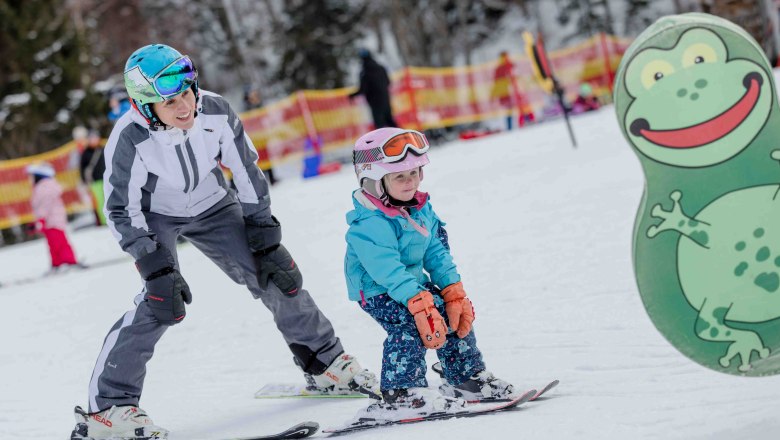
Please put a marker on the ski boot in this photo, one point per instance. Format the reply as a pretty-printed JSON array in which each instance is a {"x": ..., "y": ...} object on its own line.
[
  {"x": 483, "y": 386},
  {"x": 116, "y": 423},
  {"x": 406, "y": 403},
  {"x": 344, "y": 376}
]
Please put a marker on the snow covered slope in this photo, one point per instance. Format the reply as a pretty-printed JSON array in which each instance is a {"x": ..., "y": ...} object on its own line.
[{"x": 542, "y": 235}]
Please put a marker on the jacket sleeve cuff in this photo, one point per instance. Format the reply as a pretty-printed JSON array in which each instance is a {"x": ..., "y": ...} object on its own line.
[
  {"x": 447, "y": 280},
  {"x": 403, "y": 295}
]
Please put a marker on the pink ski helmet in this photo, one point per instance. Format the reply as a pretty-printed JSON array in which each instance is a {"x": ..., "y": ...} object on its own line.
[{"x": 384, "y": 151}]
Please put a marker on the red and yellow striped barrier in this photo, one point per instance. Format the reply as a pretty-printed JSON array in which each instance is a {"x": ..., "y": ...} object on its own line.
[
  {"x": 16, "y": 188},
  {"x": 311, "y": 122}
]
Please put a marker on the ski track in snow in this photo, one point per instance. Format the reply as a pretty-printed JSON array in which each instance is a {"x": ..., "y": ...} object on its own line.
[{"x": 541, "y": 233}]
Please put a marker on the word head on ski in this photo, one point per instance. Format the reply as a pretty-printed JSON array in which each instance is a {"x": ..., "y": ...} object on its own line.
[
  {"x": 301, "y": 430},
  {"x": 289, "y": 390},
  {"x": 483, "y": 409}
]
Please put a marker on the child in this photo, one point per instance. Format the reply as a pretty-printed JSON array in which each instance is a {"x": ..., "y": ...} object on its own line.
[
  {"x": 586, "y": 101},
  {"x": 50, "y": 215},
  {"x": 394, "y": 238}
]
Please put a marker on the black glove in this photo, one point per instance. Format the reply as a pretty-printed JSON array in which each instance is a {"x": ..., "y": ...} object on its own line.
[
  {"x": 263, "y": 234},
  {"x": 278, "y": 265},
  {"x": 166, "y": 290},
  {"x": 272, "y": 260}
]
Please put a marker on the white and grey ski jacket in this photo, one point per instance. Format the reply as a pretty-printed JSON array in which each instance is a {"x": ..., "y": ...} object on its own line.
[{"x": 176, "y": 172}]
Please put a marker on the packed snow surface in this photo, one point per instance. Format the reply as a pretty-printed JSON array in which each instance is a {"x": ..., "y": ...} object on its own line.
[{"x": 541, "y": 233}]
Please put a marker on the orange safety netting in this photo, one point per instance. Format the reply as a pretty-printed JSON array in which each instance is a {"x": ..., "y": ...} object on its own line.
[{"x": 313, "y": 122}]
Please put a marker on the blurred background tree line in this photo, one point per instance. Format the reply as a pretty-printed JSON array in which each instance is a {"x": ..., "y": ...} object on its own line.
[{"x": 60, "y": 58}]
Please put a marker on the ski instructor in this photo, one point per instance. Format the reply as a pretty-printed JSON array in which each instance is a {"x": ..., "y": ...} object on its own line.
[{"x": 163, "y": 180}]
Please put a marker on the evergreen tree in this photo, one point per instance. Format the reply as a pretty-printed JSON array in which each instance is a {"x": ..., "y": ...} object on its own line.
[
  {"x": 638, "y": 17},
  {"x": 438, "y": 32},
  {"x": 43, "y": 81},
  {"x": 317, "y": 41},
  {"x": 113, "y": 29},
  {"x": 590, "y": 17},
  {"x": 752, "y": 16}
]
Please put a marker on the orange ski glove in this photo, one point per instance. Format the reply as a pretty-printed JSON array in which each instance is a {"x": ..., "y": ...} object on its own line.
[
  {"x": 460, "y": 311},
  {"x": 430, "y": 324}
]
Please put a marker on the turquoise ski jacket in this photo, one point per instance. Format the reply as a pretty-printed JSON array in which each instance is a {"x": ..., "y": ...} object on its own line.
[{"x": 394, "y": 252}]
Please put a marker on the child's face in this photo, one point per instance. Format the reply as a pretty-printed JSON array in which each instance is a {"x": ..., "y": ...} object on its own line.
[{"x": 402, "y": 186}]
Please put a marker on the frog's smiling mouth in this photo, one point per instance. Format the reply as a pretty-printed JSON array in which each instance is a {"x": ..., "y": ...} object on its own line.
[{"x": 708, "y": 131}]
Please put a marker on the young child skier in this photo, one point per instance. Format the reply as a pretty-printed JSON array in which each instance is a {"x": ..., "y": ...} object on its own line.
[
  {"x": 399, "y": 269},
  {"x": 50, "y": 216}
]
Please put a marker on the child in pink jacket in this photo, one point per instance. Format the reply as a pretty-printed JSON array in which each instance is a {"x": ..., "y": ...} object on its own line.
[{"x": 50, "y": 216}]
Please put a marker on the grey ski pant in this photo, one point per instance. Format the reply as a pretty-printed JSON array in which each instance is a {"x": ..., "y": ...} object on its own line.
[{"x": 219, "y": 233}]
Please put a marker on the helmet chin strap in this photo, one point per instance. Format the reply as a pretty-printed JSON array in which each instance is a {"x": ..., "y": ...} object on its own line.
[
  {"x": 155, "y": 123},
  {"x": 389, "y": 200},
  {"x": 392, "y": 201},
  {"x": 146, "y": 111}
]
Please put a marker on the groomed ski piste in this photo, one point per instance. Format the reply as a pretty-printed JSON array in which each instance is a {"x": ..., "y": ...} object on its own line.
[{"x": 541, "y": 233}]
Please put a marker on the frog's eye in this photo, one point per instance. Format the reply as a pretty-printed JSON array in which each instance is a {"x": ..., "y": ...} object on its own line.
[
  {"x": 699, "y": 53},
  {"x": 654, "y": 71}
]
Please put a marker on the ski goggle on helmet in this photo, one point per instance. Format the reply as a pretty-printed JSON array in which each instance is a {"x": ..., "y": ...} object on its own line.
[
  {"x": 158, "y": 72},
  {"x": 384, "y": 151}
]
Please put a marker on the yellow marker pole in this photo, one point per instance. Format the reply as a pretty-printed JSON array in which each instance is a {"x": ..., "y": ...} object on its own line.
[{"x": 542, "y": 69}]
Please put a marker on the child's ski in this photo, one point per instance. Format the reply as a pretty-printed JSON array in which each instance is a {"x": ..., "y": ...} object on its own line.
[
  {"x": 365, "y": 423},
  {"x": 546, "y": 388}
]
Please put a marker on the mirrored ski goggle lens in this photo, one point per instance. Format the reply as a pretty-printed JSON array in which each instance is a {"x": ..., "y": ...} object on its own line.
[{"x": 175, "y": 78}]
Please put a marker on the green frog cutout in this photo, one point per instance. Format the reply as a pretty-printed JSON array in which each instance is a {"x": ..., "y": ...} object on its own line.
[{"x": 696, "y": 100}]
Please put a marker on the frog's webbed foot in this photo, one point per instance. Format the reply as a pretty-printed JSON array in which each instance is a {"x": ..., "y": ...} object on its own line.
[
  {"x": 673, "y": 219},
  {"x": 743, "y": 346}
]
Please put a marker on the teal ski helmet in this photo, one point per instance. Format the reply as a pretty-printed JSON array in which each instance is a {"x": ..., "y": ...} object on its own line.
[{"x": 155, "y": 73}]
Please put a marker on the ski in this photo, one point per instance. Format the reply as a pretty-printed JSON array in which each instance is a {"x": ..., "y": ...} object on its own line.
[
  {"x": 64, "y": 271},
  {"x": 545, "y": 389},
  {"x": 438, "y": 370},
  {"x": 301, "y": 430},
  {"x": 368, "y": 423},
  {"x": 288, "y": 390}
]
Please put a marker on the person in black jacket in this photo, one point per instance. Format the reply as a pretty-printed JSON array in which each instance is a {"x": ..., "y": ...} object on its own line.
[
  {"x": 92, "y": 168},
  {"x": 374, "y": 85}
]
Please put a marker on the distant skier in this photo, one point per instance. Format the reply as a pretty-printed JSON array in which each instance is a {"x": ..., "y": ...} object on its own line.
[
  {"x": 399, "y": 269},
  {"x": 375, "y": 86},
  {"x": 51, "y": 218},
  {"x": 586, "y": 101},
  {"x": 118, "y": 105},
  {"x": 162, "y": 180},
  {"x": 92, "y": 166}
]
